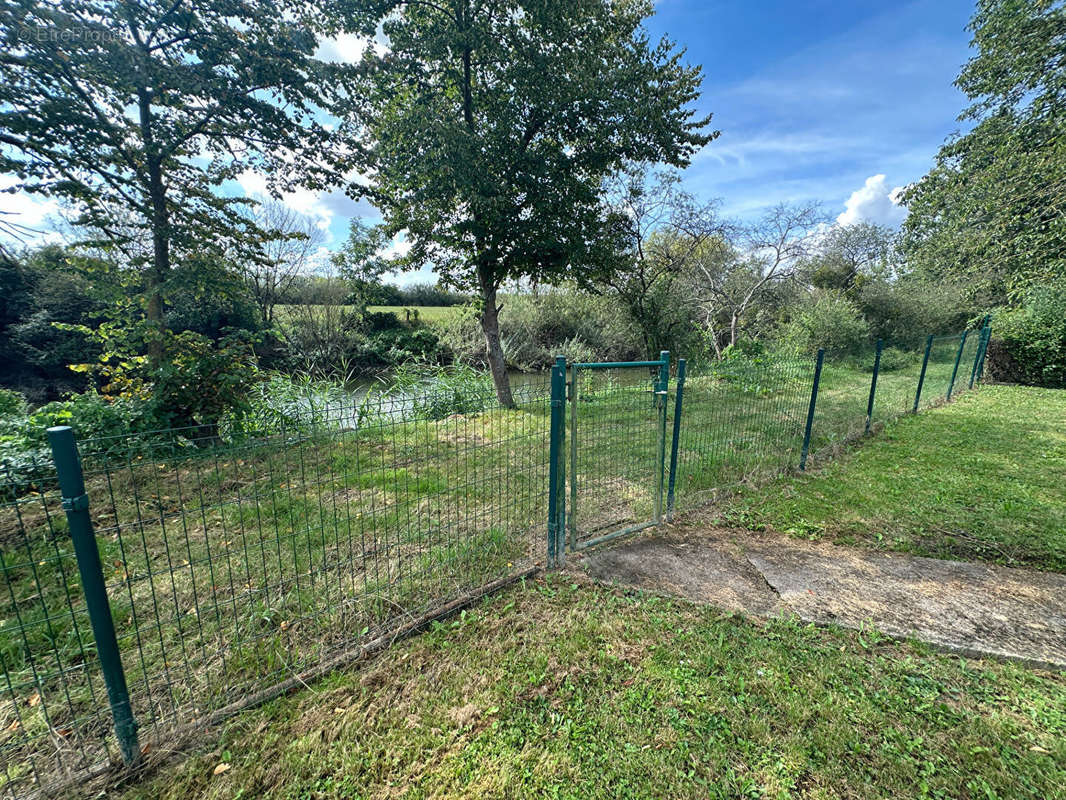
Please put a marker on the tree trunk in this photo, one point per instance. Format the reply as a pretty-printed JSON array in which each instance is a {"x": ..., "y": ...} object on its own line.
[
  {"x": 160, "y": 267},
  {"x": 490, "y": 325}
]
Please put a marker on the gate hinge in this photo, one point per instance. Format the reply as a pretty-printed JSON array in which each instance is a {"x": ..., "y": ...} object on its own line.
[{"x": 79, "y": 503}]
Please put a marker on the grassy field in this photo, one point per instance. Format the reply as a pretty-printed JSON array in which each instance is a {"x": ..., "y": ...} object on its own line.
[
  {"x": 231, "y": 568},
  {"x": 557, "y": 690},
  {"x": 980, "y": 480},
  {"x": 427, "y": 314},
  {"x": 422, "y": 313}
]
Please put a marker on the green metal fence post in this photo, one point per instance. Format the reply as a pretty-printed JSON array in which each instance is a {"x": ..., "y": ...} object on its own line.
[
  {"x": 810, "y": 409},
  {"x": 662, "y": 388},
  {"x": 955, "y": 369},
  {"x": 676, "y": 438},
  {"x": 556, "y": 472},
  {"x": 921, "y": 377},
  {"x": 873, "y": 385},
  {"x": 76, "y": 506},
  {"x": 977, "y": 356},
  {"x": 984, "y": 350}
]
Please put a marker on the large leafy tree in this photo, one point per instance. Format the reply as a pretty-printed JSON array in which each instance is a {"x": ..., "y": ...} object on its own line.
[
  {"x": 491, "y": 125},
  {"x": 992, "y": 212},
  {"x": 150, "y": 106}
]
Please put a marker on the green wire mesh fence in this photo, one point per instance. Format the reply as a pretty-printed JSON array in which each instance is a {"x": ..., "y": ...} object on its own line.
[
  {"x": 235, "y": 565},
  {"x": 231, "y": 568}
]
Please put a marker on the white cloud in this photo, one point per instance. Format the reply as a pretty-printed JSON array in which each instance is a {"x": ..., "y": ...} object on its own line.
[
  {"x": 22, "y": 208},
  {"x": 304, "y": 201},
  {"x": 874, "y": 202},
  {"x": 348, "y": 48}
]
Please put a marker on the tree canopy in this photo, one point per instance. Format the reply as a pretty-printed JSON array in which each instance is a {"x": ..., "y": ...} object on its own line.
[
  {"x": 992, "y": 212},
  {"x": 490, "y": 128},
  {"x": 151, "y": 106}
]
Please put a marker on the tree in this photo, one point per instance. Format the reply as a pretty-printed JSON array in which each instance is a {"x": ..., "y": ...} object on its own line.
[
  {"x": 153, "y": 105},
  {"x": 730, "y": 276},
  {"x": 662, "y": 229},
  {"x": 360, "y": 263},
  {"x": 490, "y": 128},
  {"x": 991, "y": 214},
  {"x": 289, "y": 249},
  {"x": 847, "y": 256}
]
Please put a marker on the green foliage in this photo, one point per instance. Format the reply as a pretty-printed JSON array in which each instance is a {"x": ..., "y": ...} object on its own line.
[
  {"x": 439, "y": 392},
  {"x": 139, "y": 114},
  {"x": 827, "y": 320},
  {"x": 989, "y": 212},
  {"x": 208, "y": 297},
  {"x": 894, "y": 359},
  {"x": 91, "y": 415},
  {"x": 905, "y": 311},
  {"x": 40, "y": 293},
  {"x": 537, "y": 327},
  {"x": 1030, "y": 342},
  {"x": 11, "y": 403},
  {"x": 491, "y": 129},
  {"x": 200, "y": 381}
]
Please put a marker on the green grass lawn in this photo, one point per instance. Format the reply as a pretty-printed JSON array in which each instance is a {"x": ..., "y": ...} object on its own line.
[
  {"x": 982, "y": 479},
  {"x": 551, "y": 689}
]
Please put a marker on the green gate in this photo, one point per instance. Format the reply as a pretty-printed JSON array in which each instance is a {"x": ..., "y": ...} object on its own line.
[{"x": 616, "y": 448}]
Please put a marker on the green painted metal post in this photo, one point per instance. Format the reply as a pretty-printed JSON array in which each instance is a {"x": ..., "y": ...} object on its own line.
[
  {"x": 662, "y": 389},
  {"x": 984, "y": 350},
  {"x": 676, "y": 438},
  {"x": 921, "y": 377},
  {"x": 955, "y": 369},
  {"x": 76, "y": 506},
  {"x": 556, "y": 471},
  {"x": 977, "y": 357},
  {"x": 873, "y": 385},
  {"x": 810, "y": 409}
]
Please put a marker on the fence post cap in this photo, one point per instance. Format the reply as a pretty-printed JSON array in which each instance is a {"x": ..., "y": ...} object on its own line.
[{"x": 55, "y": 429}]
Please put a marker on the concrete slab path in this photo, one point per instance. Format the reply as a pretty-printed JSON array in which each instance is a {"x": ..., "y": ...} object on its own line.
[{"x": 975, "y": 609}]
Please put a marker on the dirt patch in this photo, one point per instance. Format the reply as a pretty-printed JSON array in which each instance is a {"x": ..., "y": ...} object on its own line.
[{"x": 975, "y": 609}]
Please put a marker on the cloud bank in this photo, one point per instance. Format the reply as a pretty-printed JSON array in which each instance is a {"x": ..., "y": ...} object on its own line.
[{"x": 875, "y": 202}]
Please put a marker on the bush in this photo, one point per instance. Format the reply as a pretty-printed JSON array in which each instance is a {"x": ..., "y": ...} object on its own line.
[
  {"x": 439, "y": 392},
  {"x": 1029, "y": 344},
  {"x": 534, "y": 328},
  {"x": 893, "y": 359},
  {"x": 905, "y": 312},
  {"x": 829, "y": 321}
]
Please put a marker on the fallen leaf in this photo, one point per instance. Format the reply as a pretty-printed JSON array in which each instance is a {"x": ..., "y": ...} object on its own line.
[
  {"x": 223, "y": 767},
  {"x": 35, "y": 699}
]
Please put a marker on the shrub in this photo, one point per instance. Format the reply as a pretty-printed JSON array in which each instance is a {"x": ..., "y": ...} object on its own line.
[
  {"x": 905, "y": 312},
  {"x": 11, "y": 403},
  {"x": 438, "y": 392},
  {"x": 829, "y": 321},
  {"x": 535, "y": 328},
  {"x": 892, "y": 359},
  {"x": 1029, "y": 344}
]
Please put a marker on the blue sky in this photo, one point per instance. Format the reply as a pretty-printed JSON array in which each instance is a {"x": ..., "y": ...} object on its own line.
[
  {"x": 837, "y": 102},
  {"x": 815, "y": 97}
]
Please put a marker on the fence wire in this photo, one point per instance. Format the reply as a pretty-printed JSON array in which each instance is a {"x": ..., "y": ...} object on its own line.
[
  {"x": 235, "y": 560},
  {"x": 232, "y": 567}
]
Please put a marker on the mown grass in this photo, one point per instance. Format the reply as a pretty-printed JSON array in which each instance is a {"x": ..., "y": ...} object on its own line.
[
  {"x": 230, "y": 569},
  {"x": 560, "y": 690},
  {"x": 980, "y": 479}
]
